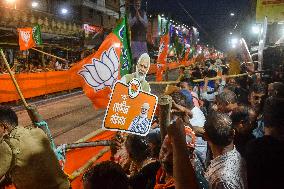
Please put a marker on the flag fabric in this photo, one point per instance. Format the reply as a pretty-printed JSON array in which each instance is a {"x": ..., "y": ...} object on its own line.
[
  {"x": 101, "y": 70},
  {"x": 186, "y": 55},
  {"x": 162, "y": 56},
  {"x": 26, "y": 40},
  {"x": 37, "y": 35},
  {"x": 29, "y": 37},
  {"x": 160, "y": 71}
]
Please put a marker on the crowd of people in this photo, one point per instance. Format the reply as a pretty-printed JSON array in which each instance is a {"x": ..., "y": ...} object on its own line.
[
  {"x": 226, "y": 133},
  {"x": 35, "y": 62},
  {"x": 238, "y": 142}
]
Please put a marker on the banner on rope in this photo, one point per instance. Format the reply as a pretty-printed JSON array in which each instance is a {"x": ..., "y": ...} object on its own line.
[
  {"x": 130, "y": 109},
  {"x": 92, "y": 29}
]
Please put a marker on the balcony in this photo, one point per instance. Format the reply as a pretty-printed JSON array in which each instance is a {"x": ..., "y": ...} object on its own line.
[
  {"x": 11, "y": 19},
  {"x": 99, "y": 5}
]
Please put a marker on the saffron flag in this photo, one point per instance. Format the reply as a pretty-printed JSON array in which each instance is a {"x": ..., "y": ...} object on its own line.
[
  {"x": 186, "y": 55},
  {"x": 101, "y": 70},
  {"x": 29, "y": 37},
  {"x": 26, "y": 40},
  {"x": 162, "y": 56}
]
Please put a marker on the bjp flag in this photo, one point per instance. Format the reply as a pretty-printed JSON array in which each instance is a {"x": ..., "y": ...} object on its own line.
[
  {"x": 101, "y": 70},
  {"x": 159, "y": 72},
  {"x": 26, "y": 40},
  {"x": 162, "y": 56}
]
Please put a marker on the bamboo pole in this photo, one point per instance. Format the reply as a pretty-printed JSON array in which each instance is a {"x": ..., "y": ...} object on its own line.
[
  {"x": 91, "y": 135},
  {"x": 89, "y": 144},
  {"x": 195, "y": 81},
  {"x": 49, "y": 54},
  {"x": 87, "y": 165},
  {"x": 14, "y": 79},
  {"x": 165, "y": 104}
]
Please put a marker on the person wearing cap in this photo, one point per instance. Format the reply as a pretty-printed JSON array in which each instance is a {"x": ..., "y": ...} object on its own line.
[
  {"x": 141, "y": 124},
  {"x": 26, "y": 156},
  {"x": 142, "y": 68}
]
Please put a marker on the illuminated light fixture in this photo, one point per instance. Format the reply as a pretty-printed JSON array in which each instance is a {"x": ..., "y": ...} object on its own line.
[
  {"x": 34, "y": 4},
  {"x": 10, "y": 1},
  {"x": 232, "y": 14},
  {"x": 234, "y": 41},
  {"x": 162, "y": 15},
  {"x": 255, "y": 29},
  {"x": 231, "y": 33},
  {"x": 64, "y": 11},
  {"x": 282, "y": 31}
]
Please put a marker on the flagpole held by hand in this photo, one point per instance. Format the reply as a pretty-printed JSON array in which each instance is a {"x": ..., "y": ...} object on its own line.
[{"x": 13, "y": 79}]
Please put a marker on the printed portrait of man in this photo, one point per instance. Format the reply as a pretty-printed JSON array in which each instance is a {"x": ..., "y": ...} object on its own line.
[
  {"x": 142, "y": 69},
  {"x": 141, "y": 123}
]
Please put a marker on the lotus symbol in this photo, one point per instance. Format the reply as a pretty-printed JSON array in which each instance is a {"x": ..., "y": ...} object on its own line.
[
  {"x": 25, "y": 36},
  {"x": 101, "y": 73},
  {"x": 134, "y": 88}
]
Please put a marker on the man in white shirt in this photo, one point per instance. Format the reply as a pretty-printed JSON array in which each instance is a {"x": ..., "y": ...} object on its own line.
[
  {"x": 142, "y": 68},
  {"x": 227, "y": 170},
  {"x": 197, "y": 122},
  {"x": 141, "y": 124}
]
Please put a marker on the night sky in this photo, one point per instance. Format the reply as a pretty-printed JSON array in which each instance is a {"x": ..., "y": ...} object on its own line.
[{"x": 213, "y": 17}]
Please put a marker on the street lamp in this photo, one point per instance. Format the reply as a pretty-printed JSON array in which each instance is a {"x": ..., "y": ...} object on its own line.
[
  {"x": 64, "y": 11},
  {"x": 232, "y": 14},
  {"x": 234, "y": 41},
  {"x": 34, "y": 4},
  {"x": 12, "y": 2},
  {"x": 255, "y": 29}
]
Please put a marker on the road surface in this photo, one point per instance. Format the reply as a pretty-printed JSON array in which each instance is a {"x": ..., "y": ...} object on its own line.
[{"x": 72, "y": 117}]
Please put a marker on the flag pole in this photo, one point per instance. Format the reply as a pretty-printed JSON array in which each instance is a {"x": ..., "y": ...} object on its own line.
[
  {"x": 49, "y": 54},
  {"x": 196, "y": 80},
  {"x": 14, "y": 80}
]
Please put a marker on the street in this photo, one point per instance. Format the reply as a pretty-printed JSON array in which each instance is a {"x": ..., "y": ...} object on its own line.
[{"x": 73, "y": 117}]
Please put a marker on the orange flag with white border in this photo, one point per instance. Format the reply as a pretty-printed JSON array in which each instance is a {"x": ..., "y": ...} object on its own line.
[{"x": 26, "y": 40}]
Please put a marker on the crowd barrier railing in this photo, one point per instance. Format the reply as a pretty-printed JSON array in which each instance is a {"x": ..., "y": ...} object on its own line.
[{"x": 43, "y": 83}]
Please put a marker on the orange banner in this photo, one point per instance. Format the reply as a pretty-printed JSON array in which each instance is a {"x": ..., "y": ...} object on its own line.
[
  {"x": 125, "y": 109},
  {"x": 37, "y": 84}
]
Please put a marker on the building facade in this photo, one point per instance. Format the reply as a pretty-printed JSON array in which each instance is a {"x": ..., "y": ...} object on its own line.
[{"x": 59, "y": 19}]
